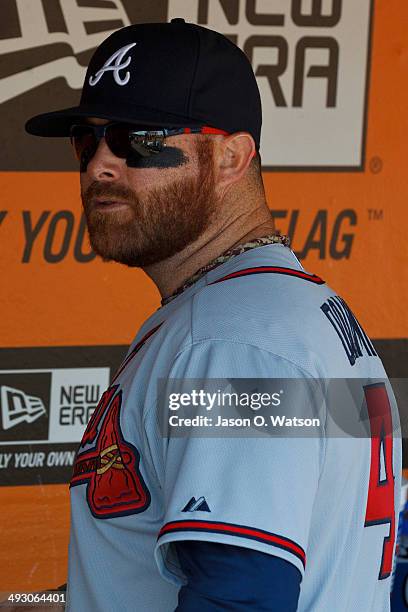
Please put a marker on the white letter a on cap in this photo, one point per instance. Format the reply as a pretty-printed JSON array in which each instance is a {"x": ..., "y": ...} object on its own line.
[{"x": 117, "y": 58}]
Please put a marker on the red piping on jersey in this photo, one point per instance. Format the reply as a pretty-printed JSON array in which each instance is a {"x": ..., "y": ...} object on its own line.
[
  {"x": 237, "y": 530},
  {"x": 274, "y": 270}
]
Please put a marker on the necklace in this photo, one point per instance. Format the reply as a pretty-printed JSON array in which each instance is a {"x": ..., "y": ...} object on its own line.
[{"x": 237, "y": 250}]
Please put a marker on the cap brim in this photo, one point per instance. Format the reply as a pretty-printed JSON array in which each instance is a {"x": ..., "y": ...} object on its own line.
[{"x": 58, "y": 123}]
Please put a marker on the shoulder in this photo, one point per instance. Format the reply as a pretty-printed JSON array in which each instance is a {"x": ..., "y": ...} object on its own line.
[
  {"x": 267, "y": 299},
  {"x": 264, "y": 299}
]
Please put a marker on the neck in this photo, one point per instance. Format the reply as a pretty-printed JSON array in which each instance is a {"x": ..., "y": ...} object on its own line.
[{"x": 171, "y": 273}]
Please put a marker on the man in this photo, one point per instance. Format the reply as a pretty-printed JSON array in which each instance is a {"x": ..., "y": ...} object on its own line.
[{"x": 167, "y": 135}]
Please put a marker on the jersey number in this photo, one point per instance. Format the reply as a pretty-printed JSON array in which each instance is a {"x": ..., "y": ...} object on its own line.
[{"x": 381, "y": 499}]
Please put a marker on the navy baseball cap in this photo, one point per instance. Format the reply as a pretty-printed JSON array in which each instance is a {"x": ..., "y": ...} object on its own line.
[{"x": 173, "y": 74}]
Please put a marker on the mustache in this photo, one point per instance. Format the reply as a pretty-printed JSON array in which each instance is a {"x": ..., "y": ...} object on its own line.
[{"x": 97, "y": 190}]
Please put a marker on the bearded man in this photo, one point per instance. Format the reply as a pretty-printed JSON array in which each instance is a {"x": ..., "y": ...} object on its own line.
[{"x": 194, "y": 512}]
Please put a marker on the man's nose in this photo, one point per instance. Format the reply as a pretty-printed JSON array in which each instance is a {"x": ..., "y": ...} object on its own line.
[{"x": 104, "y": 165}]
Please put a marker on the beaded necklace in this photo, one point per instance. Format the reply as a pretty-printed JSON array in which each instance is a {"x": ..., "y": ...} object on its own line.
[{"x": 237, "y": 250}]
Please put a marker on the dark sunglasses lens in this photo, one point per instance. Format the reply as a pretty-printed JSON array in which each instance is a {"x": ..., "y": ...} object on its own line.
[
  {"x": 124, "y": 140},
  {"x": 117, "y": 139},
  {"x": 83, "y": 140}
]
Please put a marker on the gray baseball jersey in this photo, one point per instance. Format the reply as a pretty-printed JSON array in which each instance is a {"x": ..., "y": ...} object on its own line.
[{"x": 325, "y": 503}]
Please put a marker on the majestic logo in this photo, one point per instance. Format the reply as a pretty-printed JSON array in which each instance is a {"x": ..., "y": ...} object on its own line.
[
  {"x": 195, "y": 505},
  {"x": 18, "y": 407},
  {"x": 115, "y": 486},
  {"x": 116, "y": 67},
  {"x": 352, "y": 336}
]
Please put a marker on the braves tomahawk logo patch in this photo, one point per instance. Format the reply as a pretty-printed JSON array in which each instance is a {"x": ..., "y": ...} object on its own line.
[{"x": 108, "y": 464}]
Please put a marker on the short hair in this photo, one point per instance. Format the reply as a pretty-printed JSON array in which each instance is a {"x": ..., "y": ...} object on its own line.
[
  {"x": 256, "y": 163},
  {"x": 255, "y": 170}
]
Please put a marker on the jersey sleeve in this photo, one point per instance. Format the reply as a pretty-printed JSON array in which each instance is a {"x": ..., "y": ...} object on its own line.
[{"x": 253, "y": 492}]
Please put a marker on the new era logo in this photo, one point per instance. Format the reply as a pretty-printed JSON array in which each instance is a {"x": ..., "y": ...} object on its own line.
[
  {"x": 17, "y": 407},
  {"x": 196, "y": 504}
]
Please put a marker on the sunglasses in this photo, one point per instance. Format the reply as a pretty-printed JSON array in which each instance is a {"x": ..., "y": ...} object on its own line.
[{"x": 126, "y": 140}]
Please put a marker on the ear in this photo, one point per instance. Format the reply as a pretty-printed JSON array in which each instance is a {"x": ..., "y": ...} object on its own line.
[{"x": 234, "y": 154}]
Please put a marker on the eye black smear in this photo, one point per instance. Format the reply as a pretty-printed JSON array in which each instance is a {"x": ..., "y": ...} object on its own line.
[{"x": 170, "y": 157}]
